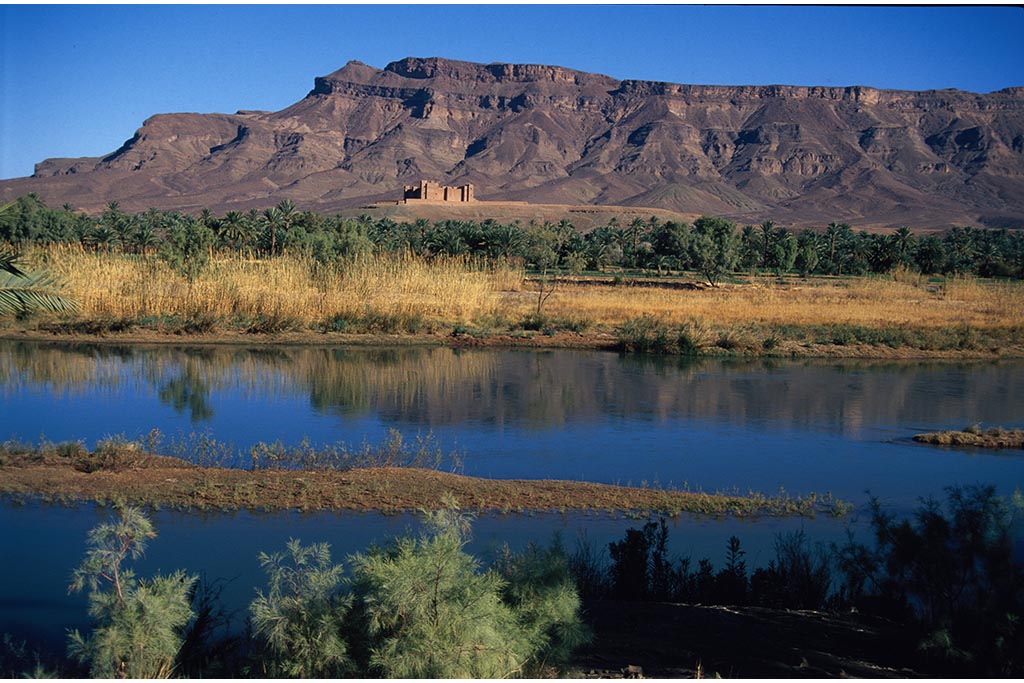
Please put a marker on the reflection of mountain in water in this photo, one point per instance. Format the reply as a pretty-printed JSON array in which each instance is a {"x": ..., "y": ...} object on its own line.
[{"x": 429, "y": 388}]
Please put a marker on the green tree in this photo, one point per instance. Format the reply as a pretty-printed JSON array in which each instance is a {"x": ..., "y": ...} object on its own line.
[
  {"x": 807, "y": 257},
  {"x": 767, "y": 238},
  {"x": 300, "y": 618},
  {"x": 505, "y": 241},
  {"x": 138, "y": 623},
  {"x": 833, "y": 237},
  {"x": 904, "y": 244},
  {"x": 272, "y": 221},
  {"x": 713, "y": 247},
  {"x": 231, "y": 230},
  {"x": 750, "y": 248},
  {"x": 783, "y": 250},
  {"x": 930, "y": 256},
  {"x": 187, "y": 247}
]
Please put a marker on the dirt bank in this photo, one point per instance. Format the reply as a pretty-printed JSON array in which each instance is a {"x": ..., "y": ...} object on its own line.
[
  {"x": 600, "y": 341},
  {"x": 996, "y": 438},
  {"x": 159, "y": 480}
]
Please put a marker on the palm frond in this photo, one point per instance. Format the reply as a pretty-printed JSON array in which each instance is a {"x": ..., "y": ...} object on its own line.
[
  {"x": 36, "y": 291},
  {"x": 8, "y": 259}
]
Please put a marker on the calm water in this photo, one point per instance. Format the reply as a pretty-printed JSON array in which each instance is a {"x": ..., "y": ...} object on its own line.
[{"x": 802, "y": 426}]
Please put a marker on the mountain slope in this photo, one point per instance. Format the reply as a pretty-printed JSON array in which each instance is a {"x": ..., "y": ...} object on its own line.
[{"x": 799, "y": 155}]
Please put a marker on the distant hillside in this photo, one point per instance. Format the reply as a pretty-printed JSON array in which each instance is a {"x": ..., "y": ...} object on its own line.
[{"x": 549, "y": 135}]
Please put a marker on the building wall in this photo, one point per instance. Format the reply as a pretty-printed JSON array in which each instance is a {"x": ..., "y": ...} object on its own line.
[{"x": 428, "y": 191}]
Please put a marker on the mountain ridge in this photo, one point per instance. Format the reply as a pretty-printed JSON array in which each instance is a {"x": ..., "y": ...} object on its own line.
[{"x": 801, "y": 155}]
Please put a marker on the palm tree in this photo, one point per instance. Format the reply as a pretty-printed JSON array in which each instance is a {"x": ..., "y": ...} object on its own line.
[
  {"x": 833, "y": 233},
  {"x": 635, "y": 227},
  {"x": 231, "y": 229},
  {"x": 23, "y": 292},
  {"x": 288, "y": 215},
  {"x": 272, "y": 218},
  {"x": 506, "y": 240},
  {"x": 903, "y": 241},
  {"x": 766, "y": 231}
]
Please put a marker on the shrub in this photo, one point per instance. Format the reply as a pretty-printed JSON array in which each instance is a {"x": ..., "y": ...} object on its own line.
[
  {"x": 640, "y": 567},
  {"x": 645, "y": 334},
  {"x": 299, "y": 620},
  {"x": 800, "y": 577},
  {"x": 273, "y": 323},
  {"x": 543, "y": 596},
  {"x": 588, "y": 570},
  {"x": 115, "y": 454},
  {"x": 429, "y": 611},
  {"x": 953, "y": 573},
  {"x": 138, "y": 623},
  {"x": 728, "y": 340},
  {"x": 691, "y": 338},
  {"x": 535, "y": 322}
]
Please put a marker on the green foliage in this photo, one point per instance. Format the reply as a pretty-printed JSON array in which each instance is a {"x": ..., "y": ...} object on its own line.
[
  {"x": 138, "y": 623},
  {"x": 23, "y": 292},
  {"x": 299, "y": 620},
  {"x": 430, "y": 611},
  {"x": 713, "y": 247},
  {"x": 187, "y": 247},
  {"x": 547, "y": 604}
]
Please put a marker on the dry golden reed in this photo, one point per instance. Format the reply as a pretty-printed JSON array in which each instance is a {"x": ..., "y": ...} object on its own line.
[
  {"x": 855, "y": 301},
  {"x": 134, "y": 287},
  {"x": 449, "y": 291}
]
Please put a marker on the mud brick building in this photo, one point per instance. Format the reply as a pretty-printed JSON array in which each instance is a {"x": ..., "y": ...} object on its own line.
[{"x": 428, "y": 191}]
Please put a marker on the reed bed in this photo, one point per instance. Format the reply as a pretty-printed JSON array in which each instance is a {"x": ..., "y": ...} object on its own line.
[
  {"x": 405, "y": 293},
  {"x": 290, "y": 288}
]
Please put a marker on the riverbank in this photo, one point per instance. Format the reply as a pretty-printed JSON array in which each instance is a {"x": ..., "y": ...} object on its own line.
[
  {"x": 955, "y": 343},
  {"x": 70, "y": 474}
]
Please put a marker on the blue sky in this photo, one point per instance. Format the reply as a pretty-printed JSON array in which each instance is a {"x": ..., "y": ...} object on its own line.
[{"x": 79, "y": 80}]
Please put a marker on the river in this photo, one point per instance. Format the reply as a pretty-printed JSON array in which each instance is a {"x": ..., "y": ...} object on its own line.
[{"x": 716, "y": 425}]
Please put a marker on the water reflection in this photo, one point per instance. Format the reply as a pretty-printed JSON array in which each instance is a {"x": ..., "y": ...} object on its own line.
[
  {"x": 720, "y": 425},
  {"x": 538, "y": 390}
]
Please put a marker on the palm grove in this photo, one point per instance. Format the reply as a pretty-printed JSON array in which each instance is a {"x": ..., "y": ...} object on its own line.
[{"x": 711, "y": 246}]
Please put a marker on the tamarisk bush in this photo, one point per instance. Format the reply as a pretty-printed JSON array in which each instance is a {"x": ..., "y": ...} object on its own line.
[
  {"x": 430, "y": 610},
  {"x": 299, "y": 619},
  {"x": 138, "y": 622}
]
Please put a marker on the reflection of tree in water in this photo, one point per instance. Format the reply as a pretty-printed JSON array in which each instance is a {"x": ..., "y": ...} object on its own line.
[
  {"x": 187, "y": 391},
  {"x": 434, "y": 387}
]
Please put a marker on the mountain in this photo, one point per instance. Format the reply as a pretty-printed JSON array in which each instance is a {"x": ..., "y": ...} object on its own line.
[{"x": 551, "y": 135}]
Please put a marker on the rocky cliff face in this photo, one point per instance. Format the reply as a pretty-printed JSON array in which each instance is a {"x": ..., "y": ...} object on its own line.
[{"x": 799, "y": 155}]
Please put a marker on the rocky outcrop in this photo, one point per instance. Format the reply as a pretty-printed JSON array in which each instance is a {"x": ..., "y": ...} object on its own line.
[{"x": 799, "y": 155}]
